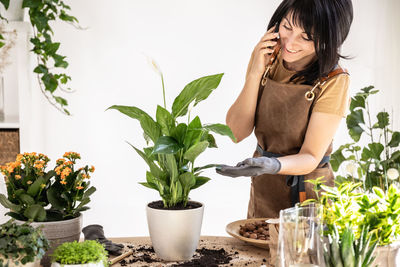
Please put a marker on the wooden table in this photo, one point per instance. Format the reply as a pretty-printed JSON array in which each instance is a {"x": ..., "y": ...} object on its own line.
[{"x": 242, "y": 253}]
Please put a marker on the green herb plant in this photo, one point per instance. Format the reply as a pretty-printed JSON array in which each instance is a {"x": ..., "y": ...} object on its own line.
[
  {"x": 378, "y": 163},
  {"x": 347, "y": 251},
  {"x": 174, "y": 146},
  {"x": 89, "y": 251},
  {"x": 39, "y": 195},
  {"x": 41, "y": 14},
  {"x": 347, "y": 205},
  {"x": 21, "y": 244}
]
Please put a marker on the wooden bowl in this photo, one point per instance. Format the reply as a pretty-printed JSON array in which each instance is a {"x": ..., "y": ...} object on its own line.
[{"x": 234, "y": 227}]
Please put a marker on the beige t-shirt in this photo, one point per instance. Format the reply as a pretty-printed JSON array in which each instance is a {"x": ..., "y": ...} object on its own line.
[{"x": 334, "y": 97}]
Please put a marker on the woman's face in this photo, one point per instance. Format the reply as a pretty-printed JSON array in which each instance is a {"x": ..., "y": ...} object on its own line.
[{"x": 294, "y": 41}]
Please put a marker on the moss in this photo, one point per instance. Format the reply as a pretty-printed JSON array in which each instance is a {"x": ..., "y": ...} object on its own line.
[{"x": 89, "y": 251}]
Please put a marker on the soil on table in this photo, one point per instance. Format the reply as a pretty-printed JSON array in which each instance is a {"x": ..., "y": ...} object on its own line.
[
  {"x": 160, "y": 205},
  {"x": 203, "y": 257}
]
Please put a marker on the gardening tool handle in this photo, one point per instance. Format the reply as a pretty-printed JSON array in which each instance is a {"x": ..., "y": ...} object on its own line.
[{"x": 119, "y": 258}]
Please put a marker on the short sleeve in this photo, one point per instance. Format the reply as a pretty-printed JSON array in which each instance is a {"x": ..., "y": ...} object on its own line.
[{"x": 334, "y": 96}]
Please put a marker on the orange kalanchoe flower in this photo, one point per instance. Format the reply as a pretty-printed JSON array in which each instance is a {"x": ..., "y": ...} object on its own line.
[
  {"x": 29, "y": 182},
  {"x": 19, "y": 157},
  {"x": 65, "y": 173},
  {"x": 92, "y": 169},
  {"x": 17, "y": 177},
  {"x": 79, "y": 187},
  {"x": 60, "y": 161},
  {"x": 63, "y": 182},
  {"x": 58, "y": 169}
]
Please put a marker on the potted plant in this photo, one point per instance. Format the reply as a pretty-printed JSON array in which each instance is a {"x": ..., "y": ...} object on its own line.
[
  {"x": 89, "y": 253},
  {"x": 348, "y": 205},
  {"x": 21, "y": 245},
  {"x": 175, "y": 221},
  {"x": 378, "y": 162},
  {"x": 50, "y": 63},
  {"x": 52, "y": 199}
]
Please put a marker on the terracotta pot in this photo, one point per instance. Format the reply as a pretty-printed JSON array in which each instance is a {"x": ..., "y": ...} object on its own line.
[
  {"x": 15, "y": 12},
  {"x": 175, "y": 234},
  {"x": 387, "y": 256},
  {"x": 57, "y": 233}
]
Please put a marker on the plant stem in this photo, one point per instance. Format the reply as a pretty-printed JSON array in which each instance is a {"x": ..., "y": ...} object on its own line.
[
  {"x": 369, "y": 120},
  {"x": 163, "y": 88}
]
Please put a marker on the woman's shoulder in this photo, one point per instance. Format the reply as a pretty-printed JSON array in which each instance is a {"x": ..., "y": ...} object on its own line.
[{"x": 338, "y": 78}]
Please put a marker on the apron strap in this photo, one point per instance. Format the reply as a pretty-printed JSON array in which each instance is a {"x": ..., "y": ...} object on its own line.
[{"x": 295, "y": 182}]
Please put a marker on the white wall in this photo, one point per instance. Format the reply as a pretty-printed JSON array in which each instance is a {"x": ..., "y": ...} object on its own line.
[{"x": 188, "y": 39}]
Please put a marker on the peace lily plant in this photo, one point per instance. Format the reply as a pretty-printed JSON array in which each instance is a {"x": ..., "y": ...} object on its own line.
[{"x": 174, "y": 146}]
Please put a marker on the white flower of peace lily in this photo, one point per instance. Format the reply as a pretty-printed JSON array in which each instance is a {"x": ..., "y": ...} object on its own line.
[
  {"x": 351, "y": 168},
  {"x": 153, "y": 64},
  {"x": 392, "y": 174}
]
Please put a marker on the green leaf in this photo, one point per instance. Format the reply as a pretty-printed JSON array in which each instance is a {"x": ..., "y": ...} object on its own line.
[
  {"x": 60, "y": 100},
  {"x": 211, "y": 141},
  {"x": 149, "y": 126},
  {"x": 374, "y": 151},
  {"x": 220, "y": 129},
  {"x": 5, "y": 3},
  {"x": 347, "y": 249},
  {"x": 357, "y": 101},
  {"x": 55, "y": 199},
  {"x": 166, "y": 145},
  {"x": 36, "y": 213},
  {"x": 383, "y": 119},
  {"x": 200, "y": 180},
  {"x": 165, "y": 120},
  {"x": 337, "y": 158},
  {"x": 368, "y": 90},
  {"x": 49, "y": 82},
  {"x": 194, "y": 132},
  {"x": 83, "y": 203},
  {"x": 89, "y": 192},
  {"x": 59, "y": 61},
  {"x": 176, "y": 193},
  {"x": 179, "y": 133},
  {"x": 151, "y": 186},
  {"x": 41, "y": 69},
  {"x": 187, "y": 180},
  {"x": 31, "y": 3},
  {"x": 8, "y": 204},
  {"x": 197, "y": 91},
  {"x": 194, "y": 151},
  {"x": 395, "y": 141},
  {"x": 155, "y": 170},
  {"x": 51, "y": 48},
  {"x": 171, "y": 167},
  {"x": 353, "y": 120},
  {"x": 34, "y": 189},
  {"x": 27, "y": 199}
]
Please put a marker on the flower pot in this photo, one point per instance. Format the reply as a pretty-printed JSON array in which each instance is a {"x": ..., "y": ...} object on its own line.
[
  {"x": 15, "y": 12},
  {"x": 58, "y": 232},
  {"x": 29, "y": 264},
  {"x": 387, "y": 256},
  {"x": 175, "y": 234},
  {"x": 97, "y": 264}
]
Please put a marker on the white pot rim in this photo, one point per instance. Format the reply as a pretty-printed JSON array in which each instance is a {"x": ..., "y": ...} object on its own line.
[{"x": 182, "y": 210}]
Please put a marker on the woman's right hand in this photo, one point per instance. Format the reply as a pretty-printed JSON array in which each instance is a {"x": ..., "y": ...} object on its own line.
[{"x": 262, "y": 53}]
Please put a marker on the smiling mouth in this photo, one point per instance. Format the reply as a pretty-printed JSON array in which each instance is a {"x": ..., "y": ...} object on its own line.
[{"x": 291, "y": 51}]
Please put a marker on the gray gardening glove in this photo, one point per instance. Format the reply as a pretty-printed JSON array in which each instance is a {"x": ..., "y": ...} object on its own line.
[
  {"x": 95, "y": 232},
  {"x": 251, "y": 167}
]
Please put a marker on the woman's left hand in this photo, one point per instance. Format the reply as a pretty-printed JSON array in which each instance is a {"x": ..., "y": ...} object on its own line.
[{"x": 251, "y": 167}]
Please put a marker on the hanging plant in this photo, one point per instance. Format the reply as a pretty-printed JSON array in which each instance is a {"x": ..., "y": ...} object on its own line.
[{"x": 50, "y": 64}]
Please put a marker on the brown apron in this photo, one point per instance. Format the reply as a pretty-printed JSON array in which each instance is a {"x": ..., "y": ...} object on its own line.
[{"x": 281, "y": 121}]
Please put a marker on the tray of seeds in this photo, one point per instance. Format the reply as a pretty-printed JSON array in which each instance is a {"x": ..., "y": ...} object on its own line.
[{"x": 254, "y": 231}]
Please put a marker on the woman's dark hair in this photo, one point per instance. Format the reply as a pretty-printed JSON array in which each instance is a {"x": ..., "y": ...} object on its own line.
[{"x": 327, "y": 23}]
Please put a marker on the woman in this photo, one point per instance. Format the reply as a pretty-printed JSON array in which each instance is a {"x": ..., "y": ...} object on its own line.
[{"x": 294, "y": 98}]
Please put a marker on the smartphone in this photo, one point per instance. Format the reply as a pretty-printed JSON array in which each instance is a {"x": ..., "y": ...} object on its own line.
[{"x": 277, "y": 46}]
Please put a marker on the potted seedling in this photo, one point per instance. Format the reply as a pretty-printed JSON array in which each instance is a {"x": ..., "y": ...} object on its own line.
[
  {"x": 21, "y": 245},
  {"x": 89, "y": 253},
  {"x": 52, "y": 199},
  {"x": 175, "y": 221}
]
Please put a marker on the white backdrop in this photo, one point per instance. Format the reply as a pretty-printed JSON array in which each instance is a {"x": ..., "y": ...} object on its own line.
[{"x": 189, "y": 39}]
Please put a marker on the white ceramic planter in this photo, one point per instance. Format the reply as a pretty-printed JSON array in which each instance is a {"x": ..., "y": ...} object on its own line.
[
  {"x": 15, "y": 12},
  {"x": 57, "y": 233},
  {"x": 387, "y": 256},
  {"x": 98, "y": 264},
  {"x": 175, "y": 234}
]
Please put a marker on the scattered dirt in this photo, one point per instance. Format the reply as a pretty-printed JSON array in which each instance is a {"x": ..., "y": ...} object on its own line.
[
  {"x": 160, "y": 205},
  {"x": 203, "y": 257}
]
